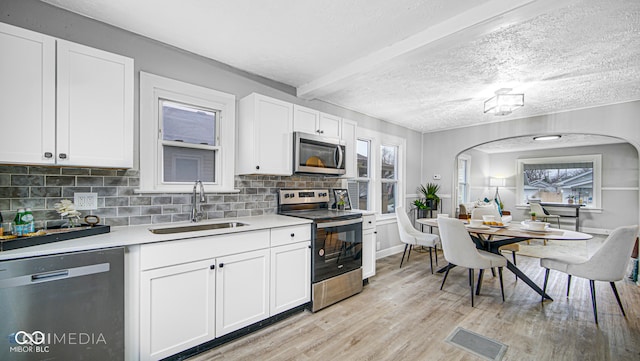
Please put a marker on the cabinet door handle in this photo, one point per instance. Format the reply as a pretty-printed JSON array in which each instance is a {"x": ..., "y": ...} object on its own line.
[
  {"x": 62, "y": 155},
  {"x": 48, "y": 155},
  {"x": 257, "y": 167},
  {"x": 213, "y": 266},
  {"x": 375, "y": 232},
  {"x": 309, "y": 246},
  {"x": 369, "y": 222},
  {"x": 293, "y": 235},
  {"x": 221, "y": 265}
]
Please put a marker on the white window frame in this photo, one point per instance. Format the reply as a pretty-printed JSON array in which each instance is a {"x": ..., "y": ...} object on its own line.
[
  {"x": 355, "y": 200},
  {"x": 376, "y": 140},
  {"x": 154, "y": 88},
  {"x": 387, "y": 180},
  {"x": 597, "y": 174},
  {"x": 465, "y": 197}
]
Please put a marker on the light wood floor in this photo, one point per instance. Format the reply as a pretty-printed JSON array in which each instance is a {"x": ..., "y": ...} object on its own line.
[{"x": 402, "y": 315}]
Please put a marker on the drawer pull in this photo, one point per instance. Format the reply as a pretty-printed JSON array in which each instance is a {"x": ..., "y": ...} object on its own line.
[
  {"x": 213, "y": 266},
  {"x": 221, "y": 265},
  {"x": 293, "y": 235}
]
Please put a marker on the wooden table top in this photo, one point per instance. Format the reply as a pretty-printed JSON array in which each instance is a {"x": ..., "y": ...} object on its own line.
[{"x": 517, "y": 230}]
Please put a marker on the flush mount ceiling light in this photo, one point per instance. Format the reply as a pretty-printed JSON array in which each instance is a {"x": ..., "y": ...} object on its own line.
[
  {"x": 503, "y": 103},
  {"x": 547, "y": 137}
]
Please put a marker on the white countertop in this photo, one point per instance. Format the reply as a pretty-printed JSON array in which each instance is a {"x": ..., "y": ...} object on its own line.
[{"x": 133, "y": 235}]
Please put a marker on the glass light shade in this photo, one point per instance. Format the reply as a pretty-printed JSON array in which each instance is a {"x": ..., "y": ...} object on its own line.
[{"x": 503, "y": 104}]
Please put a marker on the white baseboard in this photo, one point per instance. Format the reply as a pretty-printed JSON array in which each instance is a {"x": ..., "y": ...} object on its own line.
[
  {"x": 601, "y": 231},
  {"x": 389, "y": 251}
]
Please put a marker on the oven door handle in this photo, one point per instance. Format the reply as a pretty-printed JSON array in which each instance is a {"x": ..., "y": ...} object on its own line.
[{"x": 338, "y": 223}]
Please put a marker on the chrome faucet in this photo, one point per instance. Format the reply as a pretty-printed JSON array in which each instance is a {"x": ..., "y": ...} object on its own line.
[{"x": 196, "y": 214}]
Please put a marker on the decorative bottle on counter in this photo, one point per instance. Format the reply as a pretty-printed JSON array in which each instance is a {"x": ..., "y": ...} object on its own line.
[
  {"x": 28, "y": 223},
  {"x": 18, "y": 225}
]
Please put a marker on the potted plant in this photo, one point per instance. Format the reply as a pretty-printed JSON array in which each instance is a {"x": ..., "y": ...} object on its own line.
[
  {"x": 533, "y": 216},
  {"x": 430, "y": 200}
]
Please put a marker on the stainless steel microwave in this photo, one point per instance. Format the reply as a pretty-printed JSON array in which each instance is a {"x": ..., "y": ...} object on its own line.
[{"x": 315, "y": 154}]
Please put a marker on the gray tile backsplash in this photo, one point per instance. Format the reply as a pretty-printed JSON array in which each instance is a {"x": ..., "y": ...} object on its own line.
[{"x": 39, "y": 188}]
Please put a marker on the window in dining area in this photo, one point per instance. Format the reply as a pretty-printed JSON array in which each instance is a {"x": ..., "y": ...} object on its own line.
[
  {"x": 567, "y": 180},
  {"x": 463, "y": 178},
  {"x": 359, "y": 187},
  {"x": 389, "y": 177},
  {"x": 379, "y": 182}
]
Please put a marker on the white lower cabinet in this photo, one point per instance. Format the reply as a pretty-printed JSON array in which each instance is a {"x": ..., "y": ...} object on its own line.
[
  {"x": 194, "y": 290},
  {"x": 242, "y": 290},
  {"x": 177, "y": 308},
  {"x": 290, "y": 276},
  {"x": 368, "y": 246}
]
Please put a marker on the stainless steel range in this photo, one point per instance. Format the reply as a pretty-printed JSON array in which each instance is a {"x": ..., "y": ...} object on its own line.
[{"x": 336, "y": 244}]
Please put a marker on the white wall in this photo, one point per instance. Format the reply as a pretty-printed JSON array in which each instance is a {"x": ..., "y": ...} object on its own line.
[{"x": 618, "y": 120}]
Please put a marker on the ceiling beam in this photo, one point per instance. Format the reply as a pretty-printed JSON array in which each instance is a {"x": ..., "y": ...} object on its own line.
[{"x": 465, "y": 27}]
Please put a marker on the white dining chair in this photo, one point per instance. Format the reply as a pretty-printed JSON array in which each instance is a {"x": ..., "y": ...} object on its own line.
[
  {"x": 460, "y": 250},
  {"x": 542, "y": 213},
  {"x": 608, "y": 264},
  {"x": 412, "y": 237}
]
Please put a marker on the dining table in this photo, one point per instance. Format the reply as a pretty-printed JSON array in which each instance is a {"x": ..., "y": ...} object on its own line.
[{"x": 491, "y": 238}]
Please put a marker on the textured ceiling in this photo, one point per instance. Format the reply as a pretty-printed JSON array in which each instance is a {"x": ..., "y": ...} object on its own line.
[{"x": 425, "y": 65}]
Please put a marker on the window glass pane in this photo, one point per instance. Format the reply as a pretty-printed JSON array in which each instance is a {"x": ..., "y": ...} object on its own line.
[
  {"x": 359, "y": 193},
  {"x": 188, "y": 165},
  {"x": 462, "y": 180},
  {"x": 388, "y": 168},
  {"x": 184, "y": 123},
  {"x": 363, "y": 158},
  {"x": 388, "y": 197},
  {"x": 559, "y": 183}
]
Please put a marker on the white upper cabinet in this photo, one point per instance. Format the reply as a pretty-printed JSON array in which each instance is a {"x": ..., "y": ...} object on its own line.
[
  {"x": 84, "y": 118},
  {"x": 330, "y": 125},
  {"x": 311, "y": 121},
  {"x": 350, "y": 156},
  {"x": 27, "y": 96},
  {"x": 305, "y": 119},
  {"x": 95, "y": 107},
  {"x": 265, "y": 136}
]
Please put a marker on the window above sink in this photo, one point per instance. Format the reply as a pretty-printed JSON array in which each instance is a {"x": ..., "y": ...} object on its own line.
[{"x": 187, "y": 133}]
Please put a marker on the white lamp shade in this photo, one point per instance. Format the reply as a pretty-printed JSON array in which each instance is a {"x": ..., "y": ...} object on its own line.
[{"x": 496, "y": 182}]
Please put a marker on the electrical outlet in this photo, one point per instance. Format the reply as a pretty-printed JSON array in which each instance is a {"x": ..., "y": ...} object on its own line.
[{"x": 85, "y": 200}]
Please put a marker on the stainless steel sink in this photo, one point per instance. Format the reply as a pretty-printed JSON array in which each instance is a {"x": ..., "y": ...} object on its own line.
[{"x": 197, "y": 227}]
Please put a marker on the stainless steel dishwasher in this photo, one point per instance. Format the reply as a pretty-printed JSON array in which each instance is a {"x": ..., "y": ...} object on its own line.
[{"x": 63, "y": 307}]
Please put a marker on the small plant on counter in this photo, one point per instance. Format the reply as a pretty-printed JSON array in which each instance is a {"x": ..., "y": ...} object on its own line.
[
  {"x": 533, "y": 216},
  {"x": 66, "y": 209}
]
